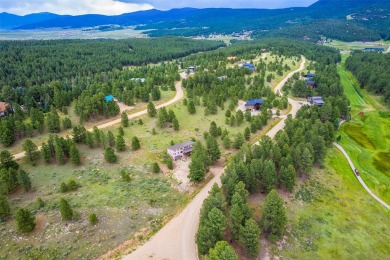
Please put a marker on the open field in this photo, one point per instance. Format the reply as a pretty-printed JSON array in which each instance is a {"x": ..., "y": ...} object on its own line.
[
  {"x": 357, "y": 45},
  {"x": 366, "y": 137},
  {"x": 57, "y": 34},
  {"x": 349, "y": 225}
]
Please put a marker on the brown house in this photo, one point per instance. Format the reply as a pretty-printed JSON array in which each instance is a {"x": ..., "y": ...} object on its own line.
[{"x": 4, "y": 108}]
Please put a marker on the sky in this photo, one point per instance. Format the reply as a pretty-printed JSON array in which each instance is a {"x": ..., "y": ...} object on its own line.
[{"x": 115, "y": 7}]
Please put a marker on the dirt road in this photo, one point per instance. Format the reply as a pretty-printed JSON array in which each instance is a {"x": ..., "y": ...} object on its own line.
[
  {"x": 179, "y": 95},
  {"x": 176, "y": 240},
  {"x": 359, "y": 177}
]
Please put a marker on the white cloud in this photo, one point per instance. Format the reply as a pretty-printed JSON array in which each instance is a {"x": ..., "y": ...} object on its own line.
[{"x": 72, "y": 7}]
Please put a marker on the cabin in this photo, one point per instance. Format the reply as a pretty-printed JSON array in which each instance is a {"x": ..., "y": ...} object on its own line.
[
  {"x": 316, "y": 101},
  {"x": 109, "y": 98},
  {"x": 374, "y": 50},
  {"x": 249, "y": 66},
  {"x": 309, "y": 75},
  {"x": 5, "y": 109},
  {"x": 311, "y": 83},
  {"x": 191, "y": 68},
  {"x": 177, "y": 151},
  {"x": 254, "y": 104}
]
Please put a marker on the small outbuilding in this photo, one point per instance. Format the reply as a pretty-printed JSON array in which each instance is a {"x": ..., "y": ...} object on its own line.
[
  {"x": 109, "y": 98},
  {"x": 177, "y": 151},
  {"x": 254, "y": 104},
  {"x": 316, "y": 101}
]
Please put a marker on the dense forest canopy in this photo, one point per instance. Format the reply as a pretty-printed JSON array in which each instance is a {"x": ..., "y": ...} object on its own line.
[
  {"x": 372, "y": 72},
  {"x": 30, "y": 63}
]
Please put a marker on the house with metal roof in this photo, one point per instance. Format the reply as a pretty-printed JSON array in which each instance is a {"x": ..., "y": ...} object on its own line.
[
  {"x": 254, "y": 104},
  {"x": 5, "y": 108},
  {"x": 374, "y": 50},
  {"x": 177, "y": 151},
  {"x": 310, "y": 75},
  {"x": 317, "y": 100},
  {"x": 249, "y": 66}
]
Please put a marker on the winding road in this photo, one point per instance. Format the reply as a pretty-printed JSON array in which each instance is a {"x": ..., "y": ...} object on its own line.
[
  {"x": 359, "y": 177},
  {"x": 176, "y": 240},
  {"x": 179, "y": 95}
]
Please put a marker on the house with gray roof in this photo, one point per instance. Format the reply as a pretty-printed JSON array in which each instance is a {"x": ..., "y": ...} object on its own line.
[{"x": 177, "y": 151}]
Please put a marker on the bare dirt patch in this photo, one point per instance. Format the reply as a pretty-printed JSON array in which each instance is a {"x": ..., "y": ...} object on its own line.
[{"x": 180, "y": 173}]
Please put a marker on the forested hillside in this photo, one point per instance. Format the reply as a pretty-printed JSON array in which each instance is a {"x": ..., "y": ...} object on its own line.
[
  {"x": 30, "y": 63},
  {"x": 372, "y": 72}
]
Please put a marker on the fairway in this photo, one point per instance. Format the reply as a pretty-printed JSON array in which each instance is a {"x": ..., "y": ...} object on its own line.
[{"x": 366, "y": 137}]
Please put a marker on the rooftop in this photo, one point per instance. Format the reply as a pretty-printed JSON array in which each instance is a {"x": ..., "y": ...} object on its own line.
[
  {"x": 180, "y": 146},
  {"x": 3, "y": 106},
  {"x": 253, "y": 102},
  {"x": 109, "y": 98}
]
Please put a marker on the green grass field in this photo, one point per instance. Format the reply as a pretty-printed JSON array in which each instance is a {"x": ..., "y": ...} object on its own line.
[
  {"x": 334, "y": 218},
  {"x": 366, "y": 137},
  {"x": 357, "y": 45}
]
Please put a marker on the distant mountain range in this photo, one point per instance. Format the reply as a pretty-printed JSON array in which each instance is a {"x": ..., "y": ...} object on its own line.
[{"x": 363, "y": 19}]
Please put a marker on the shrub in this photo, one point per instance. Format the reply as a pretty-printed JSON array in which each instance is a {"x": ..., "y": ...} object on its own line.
[
  {"x": 156, "y": 167},
  {"x": 24, "y": 221},
  {"x": 92, "y": 218}
]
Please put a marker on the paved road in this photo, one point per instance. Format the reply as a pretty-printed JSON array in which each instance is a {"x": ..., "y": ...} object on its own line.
[
  {"x": 176, "y": 240},
  {"x": 359, "y": 177},
  {"x": 179, "y": 95}
]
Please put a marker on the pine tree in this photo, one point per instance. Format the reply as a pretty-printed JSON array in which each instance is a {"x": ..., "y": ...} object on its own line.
[
  {"x": 53, "y": 121},
  {"x": 120, "y": 143},
  {"x": 7, "y": 160},
  {"x": 31, "y": 150},
  {"x": 239, "y": 117},
  {"x": 228, "y": 113},
  {"x": 226, "y": 142},
  {"x": 306, "y": 162},
  {"x": 247, "y": 133},
  {"x": 191, "y": 107},
  {"x": 24, "y": 180},
  {"x": 213, "y": 129},
  {"x": 273, "y": 219},
  {"x": 121, "y": 131},
  {"x": 156, "y": 168},
  {"x": 93, "y": 219},
  {"x": 222, "y": 251},
  {"x": 74, "y": 154},
  {"x": 124, "y": 119},
  {"x": 249, "y": 237},
  {"x": 288, "y": 177},
  {"x": 59, "y": 151},
  {"x": 65, "y": 210},
  {"x": 175, "y": 123},
  {"x": 238, "y": 141},
  {"x": 24, "y": 221},
  {"x": 89, "y": 139},
  {"x": 109, "y": 155},
  {"x": 162, "y": 117},
  {"x": 5, "y": 208},
  {"x": 66, "y": 123},
  {"x": 135, "y": 143},
  {"x": 269, "y": 175},
  {"x": 248, "y": 115},
  {"x": 198, "y": 165},
  {"x": 213, "y": 148},
  {"x": 110, "y": 139},
  {"x": 151, "y": 109},
  {"x": 45, "y": 152}
]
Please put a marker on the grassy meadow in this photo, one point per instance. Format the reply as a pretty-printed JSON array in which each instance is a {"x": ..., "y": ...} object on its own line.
[
  {"x": 332, "y": 217},
  {"x": 366, "y": 137}
]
